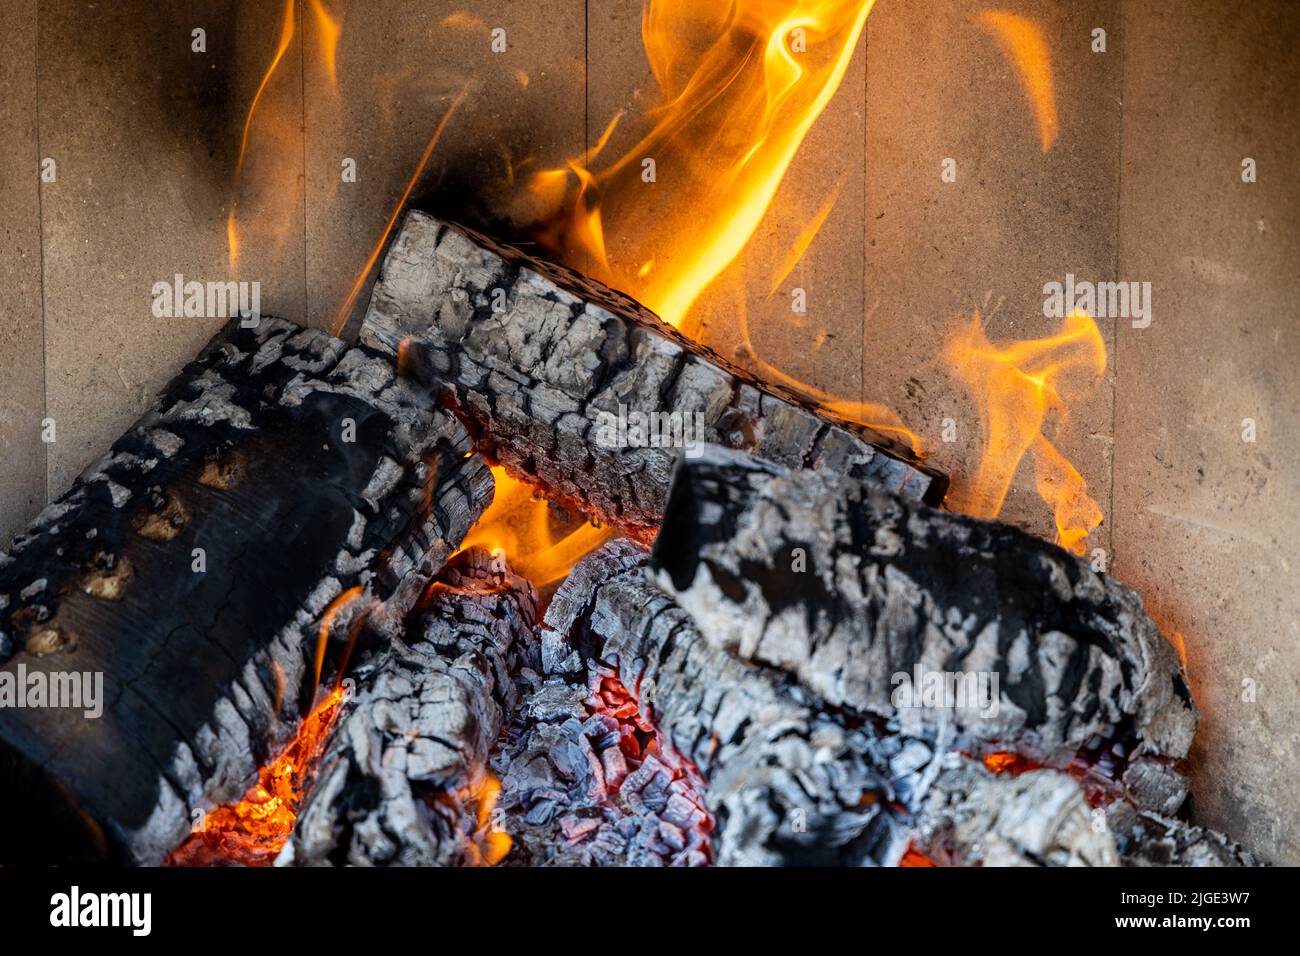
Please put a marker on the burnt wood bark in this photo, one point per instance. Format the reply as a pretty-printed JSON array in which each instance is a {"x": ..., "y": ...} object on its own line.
[
  {"x": 191, "y": 565},
  {"x": 843, "y": 586},
  {"x": 530, "y": 354},
  {"x": 403, "y": 779},
  {"x": 791, "y": 779}
]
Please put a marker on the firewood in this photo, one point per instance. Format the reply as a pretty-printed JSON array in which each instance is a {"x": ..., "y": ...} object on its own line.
[
  {"x": 403, "y": 781},
  {"x": 545, "y": 366},
  {"x": 191, "y": 566},
  {"x": 587, "y": 778},
  {"x": 790, "y": 779},
  {"x": 787, "y": 781},
  {"x": 854, "y": 592}
]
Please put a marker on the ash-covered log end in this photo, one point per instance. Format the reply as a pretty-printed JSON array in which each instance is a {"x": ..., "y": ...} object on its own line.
[{"x": 882, "y": 604}]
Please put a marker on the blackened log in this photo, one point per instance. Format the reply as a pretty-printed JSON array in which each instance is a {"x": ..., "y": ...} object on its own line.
[
  {"x": 191, "y": 566},
  {"x": 531, "y": 354},
  {"x": 846, "y": 586},
  {"x": 791, "y": 779},
  {"x": 404, "y": 778}
]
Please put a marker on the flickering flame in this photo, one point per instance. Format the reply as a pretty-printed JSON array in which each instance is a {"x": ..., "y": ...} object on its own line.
[
  {"x": 742, "y": 85},
  {"x": 330, "y": 30},
  {"x": 1022, "y": 42},
  {"x": 253, "y": 831},
  {"x": 1016, "y": 385},
  {"x": 286, "y": 37},
  {"x": 341, "y": 317},
  {"x": 489, "y": 843},
  {"x": 525, "y": 527}
]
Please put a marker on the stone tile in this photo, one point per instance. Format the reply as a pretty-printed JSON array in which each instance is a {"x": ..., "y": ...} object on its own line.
[
  {"x": 1207, "y": 524},
  {"x": 145, "y": 132},
  {"x": 22, "y": 358},
  {"x": 938, "y": 86},
  {"x": 400, "y": 66}
]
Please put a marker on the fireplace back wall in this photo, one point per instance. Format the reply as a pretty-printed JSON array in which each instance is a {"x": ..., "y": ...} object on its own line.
[{"x": 1143, "y": 183}]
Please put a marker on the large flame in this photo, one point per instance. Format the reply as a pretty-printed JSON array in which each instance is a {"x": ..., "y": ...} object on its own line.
[
  {"x": 742, "y": 84},
  {"x": 1016, "y": 385}
]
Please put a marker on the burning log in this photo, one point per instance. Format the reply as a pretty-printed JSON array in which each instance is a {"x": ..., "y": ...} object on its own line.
[
  {"x": 793, "y": 780},
  {"x": 571, "y": 384},
  {"x": 971, "y": 817},
  {"x": 278, "y": 475},
  {"x": 403, "y": 780},
  {"x": 788, "y": 781},
  {"x": 867, "y": 599}
]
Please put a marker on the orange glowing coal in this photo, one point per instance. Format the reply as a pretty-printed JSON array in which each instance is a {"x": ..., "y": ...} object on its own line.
[
  {"x": 541, "y": 542},
  {"x": 253, "y": 831},
  {"x": 1016, "y": 385}
]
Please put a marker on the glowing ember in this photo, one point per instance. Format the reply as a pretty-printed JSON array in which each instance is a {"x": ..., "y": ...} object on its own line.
[
  {"x": 541, "y": 542},
  {"x": 253, "y": 831},
  {"x": 914, "y": 857},
  {"x": 1016, "y": 385}
]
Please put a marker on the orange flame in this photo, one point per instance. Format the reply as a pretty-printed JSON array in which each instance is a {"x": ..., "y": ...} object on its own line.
[
  {"x": 1023, "y": 44},
  {"x": 253, "y": 831},
  {"x": 542, "y": 547},
  {"x": 736, "y": 109},
  {"x": 329, "y": 39},
  {"x": 286, "y": 37},
  {"x": 341, "y": 317},
  {"x": 1016, "y": 385},
  {"x": 489, "y": 843}
]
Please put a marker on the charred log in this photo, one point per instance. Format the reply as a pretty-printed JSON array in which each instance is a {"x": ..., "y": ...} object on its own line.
[
  {"x": 190, "y": 568},
  {"x": 587, "y": 779},
  {"x": 548, "y": 367},
  {"x": 792, "y": 780},
  {"x": 403, "y": 780},
  {"x": 867, "y": 598}
]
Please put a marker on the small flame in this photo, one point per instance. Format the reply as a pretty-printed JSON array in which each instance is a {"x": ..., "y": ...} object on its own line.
[
  {"x": 522, "y": 525},
  {"x": 1016, "y": 384},
  {"x": 489, "y": 843},
  {"x": 329, "y": 39},
  {"x": 1022, "y": 42},
  {"x": 286, "y": 37}
]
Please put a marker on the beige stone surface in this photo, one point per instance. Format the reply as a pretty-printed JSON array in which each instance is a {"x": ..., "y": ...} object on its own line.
[
  {"x": 400, "y": 67},
  {"x": 1207, "y": 524},
  {"x": 939, "y": 87},
  {"x": 22, "y": 357},
  {"x": 145, "y": 133}
]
